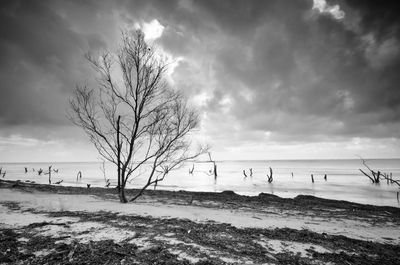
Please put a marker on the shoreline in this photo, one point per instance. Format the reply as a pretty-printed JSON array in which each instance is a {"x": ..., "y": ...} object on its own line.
[
  {"x": 299, "y": 200},
  {"x": 192, "y": 227},
  {"x": 344, "y": 181}
]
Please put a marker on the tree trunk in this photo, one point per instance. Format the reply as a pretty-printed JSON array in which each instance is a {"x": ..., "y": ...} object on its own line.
[
  {"x": 119, "y": 156},
  {"x": 121, "y": 183},
  {"x": 121, "y": 194}
]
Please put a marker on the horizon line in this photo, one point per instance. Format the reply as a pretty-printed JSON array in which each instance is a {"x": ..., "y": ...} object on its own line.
[{"x": 205, "y": 161}]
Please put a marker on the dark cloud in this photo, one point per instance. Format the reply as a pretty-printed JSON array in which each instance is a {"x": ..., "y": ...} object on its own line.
[
  {"x": 307, "y": 74},
  {"x": 42, "y": 61},
  {"x": 380, "y": 17}
]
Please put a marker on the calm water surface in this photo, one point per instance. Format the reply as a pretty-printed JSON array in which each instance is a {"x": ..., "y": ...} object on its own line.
[{"x": 344, "y": 181}]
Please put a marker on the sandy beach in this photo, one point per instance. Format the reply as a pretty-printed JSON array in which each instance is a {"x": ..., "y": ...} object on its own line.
[{"x": 43, "y": 224}]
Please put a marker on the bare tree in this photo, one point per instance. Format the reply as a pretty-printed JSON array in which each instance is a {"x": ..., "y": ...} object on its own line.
[
  {"x": 136, "y": 121},
  {"x": 375, "y": 178},
  {"x": 378, "y": 175}
]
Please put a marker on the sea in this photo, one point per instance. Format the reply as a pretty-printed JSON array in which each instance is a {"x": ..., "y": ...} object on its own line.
[{"x": 343, "y": 180}]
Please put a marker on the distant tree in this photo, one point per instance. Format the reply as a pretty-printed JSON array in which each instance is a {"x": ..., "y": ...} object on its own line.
[{"x": 136, "y": 121}]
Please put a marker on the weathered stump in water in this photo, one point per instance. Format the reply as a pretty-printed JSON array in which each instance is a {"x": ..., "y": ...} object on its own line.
[
  {"x": 49, "y": 174},
  {"x": 270, "y": 178},
  {"x": 78, "y": 176}
]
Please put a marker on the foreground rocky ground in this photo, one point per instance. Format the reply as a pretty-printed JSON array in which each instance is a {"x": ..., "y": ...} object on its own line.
[{"x": 41, "y": 224}]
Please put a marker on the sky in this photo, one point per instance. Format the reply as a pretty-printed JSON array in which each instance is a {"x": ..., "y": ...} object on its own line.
[{"x": 271, "y": 79}]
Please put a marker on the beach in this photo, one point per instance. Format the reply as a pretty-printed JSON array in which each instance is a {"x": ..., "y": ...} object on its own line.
[{"x": 47, "y": 224}]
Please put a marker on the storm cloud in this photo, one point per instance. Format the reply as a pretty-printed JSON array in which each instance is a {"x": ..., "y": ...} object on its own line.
[{"x": 261, "y": 72}]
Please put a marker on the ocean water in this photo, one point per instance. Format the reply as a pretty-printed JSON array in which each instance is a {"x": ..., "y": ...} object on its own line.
[{"x": 344, "y": 180}]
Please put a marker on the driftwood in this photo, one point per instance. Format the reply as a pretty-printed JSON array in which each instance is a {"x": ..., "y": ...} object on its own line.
[
  {"x": 377, "y": 176},
  {"x": 49, "y": 174},
  {"x": 390, "y": 179},
  {"x": 78, "y": 176},
  {"x": 270, "y": 178},
  {"x": 215, "y": 166},
  {"x": 59, "y": 182},
  {"x": 191, "y": 170},
  {"x": 374, "y": 177}
]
